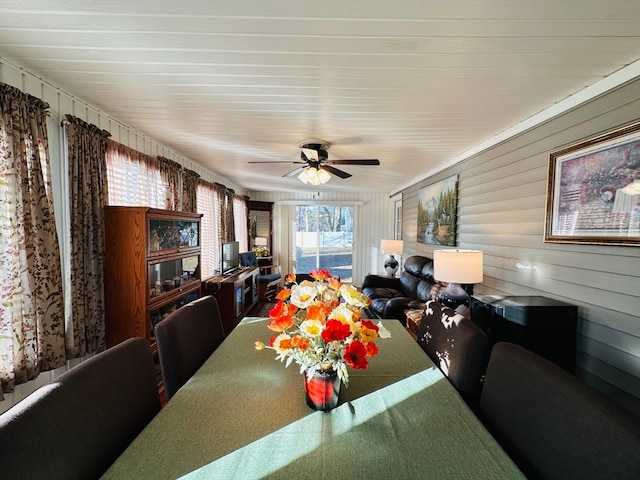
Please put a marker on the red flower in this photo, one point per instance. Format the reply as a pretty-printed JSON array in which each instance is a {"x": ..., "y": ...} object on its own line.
[
  {"x": 355, "y": 355},
  {"x": 335, "y": 330}
]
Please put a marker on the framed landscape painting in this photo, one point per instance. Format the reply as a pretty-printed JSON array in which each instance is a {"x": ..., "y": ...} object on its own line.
[
  {"x": 593, "y": 193},
  {"x": 437, "y": 212}
]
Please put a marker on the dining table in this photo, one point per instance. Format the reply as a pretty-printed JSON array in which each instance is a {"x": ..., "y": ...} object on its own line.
[{"x": 243, "y": 415}]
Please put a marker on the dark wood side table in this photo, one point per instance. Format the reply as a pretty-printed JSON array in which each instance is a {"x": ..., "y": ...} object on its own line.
[{"x": 543, "y": 325}]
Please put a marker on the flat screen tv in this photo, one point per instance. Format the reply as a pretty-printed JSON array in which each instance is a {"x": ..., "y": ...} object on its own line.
[{"x": 230, "y": 257}]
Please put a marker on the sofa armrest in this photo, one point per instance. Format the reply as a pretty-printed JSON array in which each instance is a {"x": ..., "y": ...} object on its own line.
[{"x": 381, "y": 281}]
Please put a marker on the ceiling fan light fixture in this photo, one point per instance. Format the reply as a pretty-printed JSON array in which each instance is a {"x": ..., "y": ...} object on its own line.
[
  {"x": 323, "y": 176},
  {"x": 314, "y": 176}
]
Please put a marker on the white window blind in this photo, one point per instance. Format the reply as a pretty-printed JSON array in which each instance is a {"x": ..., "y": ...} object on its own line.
[
  {"x": 133, "y": 178},
  {"x": 210, "y": 228}
]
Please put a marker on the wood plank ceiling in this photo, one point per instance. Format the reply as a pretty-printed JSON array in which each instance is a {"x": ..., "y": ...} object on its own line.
[{"x": 412, "y": 83}]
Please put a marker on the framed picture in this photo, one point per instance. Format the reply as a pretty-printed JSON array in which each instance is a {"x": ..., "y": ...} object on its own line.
[
  {"x": 593, "y": 193},
  {"x": 437, "y": 212}
]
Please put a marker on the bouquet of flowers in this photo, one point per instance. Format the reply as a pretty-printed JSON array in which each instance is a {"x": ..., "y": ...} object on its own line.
[{"x": 319, "y": 326}]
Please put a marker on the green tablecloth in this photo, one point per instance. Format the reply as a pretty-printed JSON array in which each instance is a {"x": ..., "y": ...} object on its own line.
[{"x": 243, "y": 415}]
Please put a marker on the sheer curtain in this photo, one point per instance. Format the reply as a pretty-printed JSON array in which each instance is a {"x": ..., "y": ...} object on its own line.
[
  {"x": 31, "y": 304},
  {"x": 241, "y": 214},
  {"x": 85, "y": 333},
  {"x": 133, "y": 177},
  {"x": 210, "y": 207}
]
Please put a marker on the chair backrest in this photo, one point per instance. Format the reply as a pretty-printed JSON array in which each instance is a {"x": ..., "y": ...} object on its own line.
[
  {"x": 458, "y": 346},
  {"x": 76, "y": 426},
  {"x": 552, "y": 424},
  {"x": 248, "y": 259},
  {"x": 185, "y": 339}
]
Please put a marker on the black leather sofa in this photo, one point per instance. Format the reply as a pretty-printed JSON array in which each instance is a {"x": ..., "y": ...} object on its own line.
[{"x": 391, "y": 296}]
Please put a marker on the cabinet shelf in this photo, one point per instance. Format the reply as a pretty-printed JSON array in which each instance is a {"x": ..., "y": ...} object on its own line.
[{"x": 151, "y": 266}]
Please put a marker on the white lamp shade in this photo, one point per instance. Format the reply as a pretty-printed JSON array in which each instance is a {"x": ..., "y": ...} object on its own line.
[
  {"x": 391, "y": 247},
  {"x": 260, "y": 242},
  {"x": 457, "y": 266}
]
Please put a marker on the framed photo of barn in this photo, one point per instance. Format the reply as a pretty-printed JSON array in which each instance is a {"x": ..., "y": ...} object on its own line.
[
  {"x": 593, "y": 192},
  {"x": 437, "y": 212}
]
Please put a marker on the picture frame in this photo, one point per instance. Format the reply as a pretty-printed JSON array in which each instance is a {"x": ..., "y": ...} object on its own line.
[
  {"x": 437, "y": 212},
  {"x": 593, "y": 190}
]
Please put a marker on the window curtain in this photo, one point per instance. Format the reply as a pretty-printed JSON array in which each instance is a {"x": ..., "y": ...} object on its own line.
[
  {"x": 189, "y": 190},
  {"x": 87, "y": 144},
  {"x": 170, "y": 175},
  {"x": 133, "y": 177},
  {"x": 228, "y": 223},
  {"x": 31, "y": 305},
  {"x": 210, "y": 206}
]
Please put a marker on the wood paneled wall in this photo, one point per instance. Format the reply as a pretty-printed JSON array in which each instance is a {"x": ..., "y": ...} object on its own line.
[{"x": 501, "y": 211}]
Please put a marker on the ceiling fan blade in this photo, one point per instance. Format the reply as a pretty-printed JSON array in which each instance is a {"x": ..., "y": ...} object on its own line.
[
  {"x": 276, "y": 161},
  {"x": 309, "y": 155},
  {"x": 335, "y": 171},
  {"x": 364, "y": 161},
  {"x": 294, "y": 172}
]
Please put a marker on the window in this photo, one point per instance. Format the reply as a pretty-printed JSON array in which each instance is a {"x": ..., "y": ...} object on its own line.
[{"x": 324, "y": 239}]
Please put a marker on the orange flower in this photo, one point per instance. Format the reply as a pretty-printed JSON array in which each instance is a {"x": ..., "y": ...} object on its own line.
[
  {"x": 319, "y": 275},
  {"x": 283, "y": 294},
  {"x": 280, "y": 324},
  {"x": 372, "y": 349},
  {"x": 334, "y": 283},
  {"x": 290, "y": 278},
  {"x": 318, "y": 312},
  {"x": 299, "y": 342}
]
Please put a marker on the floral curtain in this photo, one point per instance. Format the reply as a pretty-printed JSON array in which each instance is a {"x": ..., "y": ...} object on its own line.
[
  {"x": 87, "y": 144},
  {"x": 31, "y": 303},
  {"x": 189, "y": 190},
  {"x": 228, "y": 224},
  {"x": 170, "y": 175}
]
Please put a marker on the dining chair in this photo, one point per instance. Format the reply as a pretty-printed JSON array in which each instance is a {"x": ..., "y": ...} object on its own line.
[
  {"x": 552, "y": 424},
  {"x": 185, "y": 339},
  {"x": 457, "y": 346},
  {"x": 76, "y": 425}
]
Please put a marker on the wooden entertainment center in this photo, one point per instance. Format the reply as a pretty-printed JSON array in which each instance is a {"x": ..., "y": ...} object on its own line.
[{"x": 237, "y": 294}]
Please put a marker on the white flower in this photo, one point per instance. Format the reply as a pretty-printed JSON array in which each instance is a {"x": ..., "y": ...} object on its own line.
[
  {"x": 353, "y": 297},
  {"x": 383, "y": 332},
  {"x": 302, "y": 296},
  {"x": 311, "y": 328}
]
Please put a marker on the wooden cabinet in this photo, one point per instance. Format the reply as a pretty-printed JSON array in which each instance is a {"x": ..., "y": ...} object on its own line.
[
  {"x": 152, "y": 267},
  {"x": 236, "y": 294}
]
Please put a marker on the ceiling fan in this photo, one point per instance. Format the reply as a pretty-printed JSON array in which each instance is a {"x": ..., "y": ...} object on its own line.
[{"x": 316, "y": 165}]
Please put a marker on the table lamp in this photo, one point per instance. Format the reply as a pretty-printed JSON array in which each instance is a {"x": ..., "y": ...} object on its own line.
[
  {"x": 260, "y": 241},
  {"x": 391, "y": 248},
  {"x": 456, "y": 267}
]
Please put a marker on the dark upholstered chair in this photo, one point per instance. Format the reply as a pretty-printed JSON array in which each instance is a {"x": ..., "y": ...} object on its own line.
[
  {"x": 185, "y": 339},
  {"x": 75, "y": 426},
  {"x": 267, "y": 283},
  {"x": 458, "y": 346},
  {"x": 552, "y": 424}
]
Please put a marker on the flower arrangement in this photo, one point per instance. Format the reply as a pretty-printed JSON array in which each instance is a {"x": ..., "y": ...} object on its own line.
[
  {"x": 261, "y": 251},
  {"x": 319, "y": 326}
]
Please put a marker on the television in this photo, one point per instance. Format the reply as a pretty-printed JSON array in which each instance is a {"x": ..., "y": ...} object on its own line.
[{"x": 230, "y": 256}]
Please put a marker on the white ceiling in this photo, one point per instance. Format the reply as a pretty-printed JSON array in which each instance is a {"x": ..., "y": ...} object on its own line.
[{"x": 413, "y": 83}]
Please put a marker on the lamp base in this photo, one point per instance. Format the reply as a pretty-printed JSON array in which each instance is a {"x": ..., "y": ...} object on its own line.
[
  {"x": 453, "y": 295},
  {"x": 391, "y": 265}
]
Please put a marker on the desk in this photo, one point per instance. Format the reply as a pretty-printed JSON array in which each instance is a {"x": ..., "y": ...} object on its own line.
[{"x": 243, "y": 415}]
